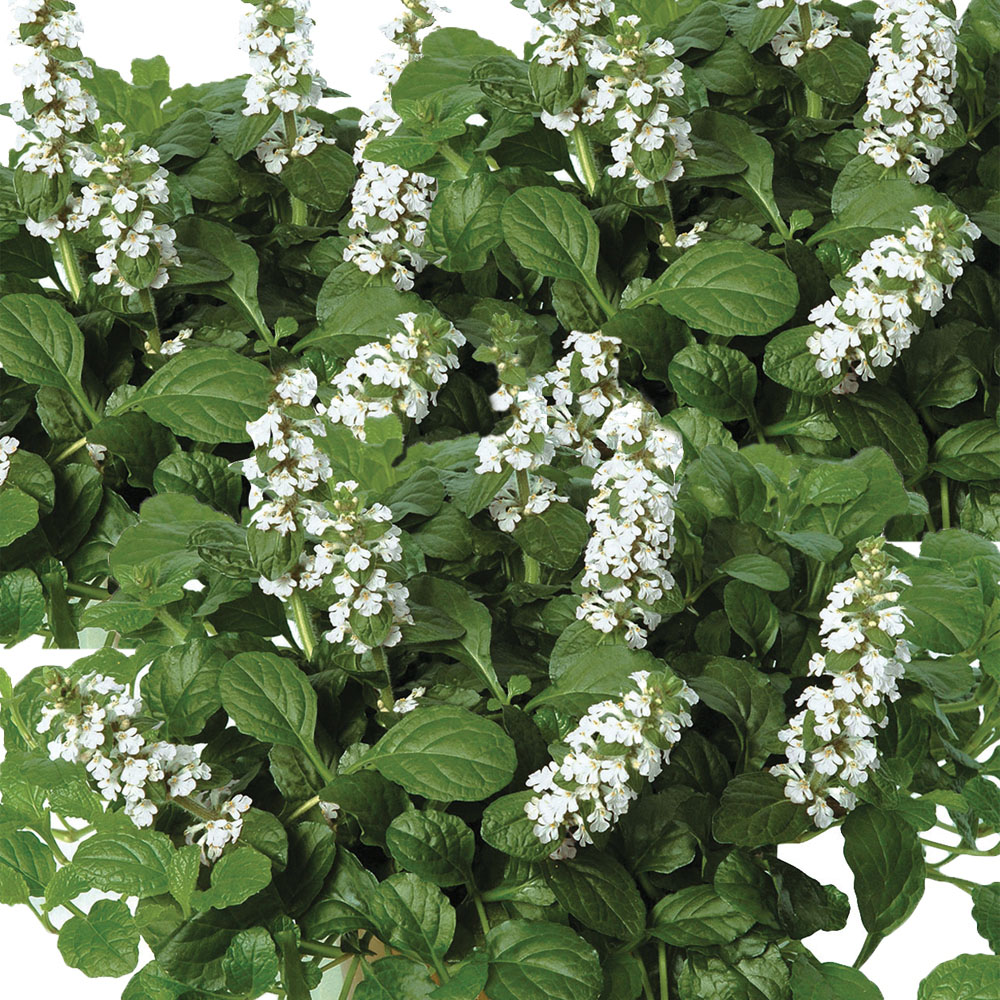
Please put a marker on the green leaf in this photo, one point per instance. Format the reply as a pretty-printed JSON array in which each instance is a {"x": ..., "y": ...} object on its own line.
[
  {"x": 182, "y": 874},
  {"x": 968, "y": 977},
  {"x": 697, "y": 917},
  {"x": 343, "y": 906},
  {"x": 830, "y": 981},
  {"x": 761, "y": 976},
  {"x": 983, "y": 797},
  {"x": 735, "y": 135},
  {"x": 506, "y": 827},
  {"x": 41, "y": 343},
  {"x": 371, "y": 799},
  {"x": 18, "y": 514},
  {"x": 403, "y": 150},
  {"x": 541, "y": 961},
  {"x": 251, "y": 963},
  {"x": 25, "y": 854},
  {"x": 806, "y": 906},
  {"x": 236, "y": 876},
  {"x": 752, "y": 615},
  {"x": 434, "y": 845},
  {"x": 472, "y": 645},
  {"x": 414, "y": 917},
  {"x": 208, "y": 478},
  {"x": 743, "y": 882},
  {"x": 218, "y": 241},
  {"x": 465, "y": 222},
  {"x": 133, "y": 862},
  {"x": 838, "y": 72},
  {"x": 881, "y": 418},
  {"x": 552, "y": 233},
  {"x": 214, "y": 177},
  {"x": 445, "y": 753},
  {"x": 756, "y": 569},
  {"x": 760, "y": 25},
  {"x": 321, "y": 179},
  {"x": 717, "y": 380},
  {"x": 208, "y": 395},
  {"x": 888, "y": 865},
  {"x": 103, "y": 942},
  {"x": 754, "y": 811},
  {"x": 395, "y": 977},
  {"x": 969, "y": 452},
  {"x": 986, "y": 913},
  {"x": 13, "y": 888},
  {"x": 728, "y": 70},
  {"x": 727, "y": 287},
  {"x": 22, "y": 604},
  {"x": 136, "y": 439},
  {"x": 555, "y": 537},
  {"x": 269, "y": 698},
  {"x": 790, "y": 363},
  {"x": 312, "y": 850},
  {"x": 600, "y": 893},
  {"x": 182, "y": 686}
]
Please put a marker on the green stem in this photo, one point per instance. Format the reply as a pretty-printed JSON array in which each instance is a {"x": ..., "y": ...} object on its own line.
[
  {"x": 962, "y": 883},
  {"x": 71, "y": 266},
  {"x": 146, "y": 298},
  {"x": 304, "y": 808},
  {"x": 320, "y": 949},
  {"x": 86, "y": 590},
  {"x": 352, "y": 971},
  {"x": 585, "y": 157},
  {"x": 458, "y": 161},
  {"x": 60, "y": 619},
  {"x": 299, "y": 209},
  {"x": 945, "y": 503},
  {"x": 953, "y": 849},
  {"x": 173, "y": 624},
  {"x": 647, "y": 986},
  {"x": 814, "y": 104},
  {"x": 484, "y": 920},
  {"x": 441, "y": 970},
  {"x": 303, "y": 622},
  {"x": 661, "y": 951},
  {"x": 294, "y": 979},
  {"x": 532, "y": 568},
  {"x": 74, "y": 909},
  {"x": 954, "y": 707},
  {"x": 194, "y": 807},
  {"x": 43, "y": 920},
  {"x": 603, "y": 301},
  {"x": 71, "y": 449}
]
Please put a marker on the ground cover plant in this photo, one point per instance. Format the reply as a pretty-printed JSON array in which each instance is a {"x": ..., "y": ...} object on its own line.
[{"x": 498, "y": 487}]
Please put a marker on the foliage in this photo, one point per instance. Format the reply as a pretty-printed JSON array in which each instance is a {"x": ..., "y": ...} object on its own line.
[{"x": 353, "y": 472}]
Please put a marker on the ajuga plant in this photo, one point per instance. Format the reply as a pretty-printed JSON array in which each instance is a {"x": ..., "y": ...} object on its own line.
[{"x": 482, "y": 511}]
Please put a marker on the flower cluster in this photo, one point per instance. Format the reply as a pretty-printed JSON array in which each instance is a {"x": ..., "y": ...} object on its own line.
[
  {"x": 344, "y": 549},
  {"x": 564, "y": 41},
  {"x": 126, "y": 193},
  {"x": 403, "y": 373},
  {"x": 615, "y": 747},
  {"x": 391, "y": 205},
  {"x": 288, "y": 464},
  {"x": 914, "y": 52},
  {"x": 807, "y": 28},
  {"x": 276, "y": 34},
  {"x": 896, "y": 282},
  {"x": 54, "y": 101},
  {"x": 8, "y": 445},
  {"x": 830, "y": 744},
  {"x": 632, "y": 510},
  {"x": 640, "y": 77},
  {"x": 96, "y": 722},
  {"x": 631, "y": 514},
  {"x": 390, "y": 208}
]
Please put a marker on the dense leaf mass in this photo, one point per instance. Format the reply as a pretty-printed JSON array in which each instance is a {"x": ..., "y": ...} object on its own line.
[{"x": 531, "y": 500}]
